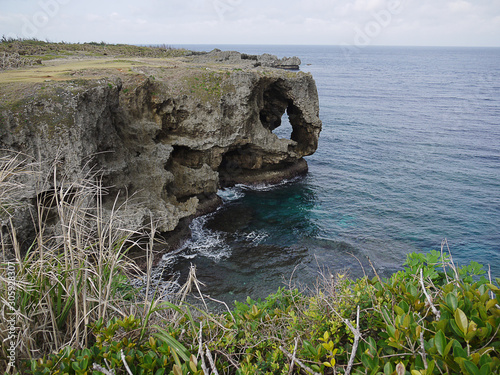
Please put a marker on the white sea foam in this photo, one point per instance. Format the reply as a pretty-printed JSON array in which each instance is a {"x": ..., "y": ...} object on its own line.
[
  {"x": 205, "y": 242},
  {"x": 267, "y": 187},
  {"x": 256, "y": 237},
  {"x": 231, "y": 194},
  {"x": 158, "y": 287}
]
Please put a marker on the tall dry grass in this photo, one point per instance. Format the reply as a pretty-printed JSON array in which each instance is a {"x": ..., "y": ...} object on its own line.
[{"x": 74, "y": 272}]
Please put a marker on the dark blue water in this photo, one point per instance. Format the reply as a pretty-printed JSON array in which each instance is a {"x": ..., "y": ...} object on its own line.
[{"x": 409, "y": 156}]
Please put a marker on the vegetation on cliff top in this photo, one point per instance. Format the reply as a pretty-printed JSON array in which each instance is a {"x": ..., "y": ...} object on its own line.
[
  {"x": 76, "y": 312},
  {"x": 15, "y": 53}
]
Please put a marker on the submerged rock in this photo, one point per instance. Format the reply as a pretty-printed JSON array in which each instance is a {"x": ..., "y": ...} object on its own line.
[{"x": 168, "y": 133}]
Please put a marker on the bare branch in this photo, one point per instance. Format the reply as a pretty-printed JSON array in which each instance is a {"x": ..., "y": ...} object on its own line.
[
  {"x": 357, "y": 336},
  {"x": 422, "y": 349},
  {"x": 293, "y": 356},
  {"x": 211, "y": 360},
  {"x": 429, "y": 300},
  {"x": 296, "y": 360},
  {"x": 200, "y": 351},
  {"x": 124, "y": 360},
  {"x": 96, "y": 367}
]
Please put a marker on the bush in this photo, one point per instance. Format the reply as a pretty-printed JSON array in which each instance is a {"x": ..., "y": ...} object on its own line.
[{"x": 451, "y": 327}]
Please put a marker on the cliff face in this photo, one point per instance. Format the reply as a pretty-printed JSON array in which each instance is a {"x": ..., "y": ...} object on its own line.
[{"x": 167, "y": 132}]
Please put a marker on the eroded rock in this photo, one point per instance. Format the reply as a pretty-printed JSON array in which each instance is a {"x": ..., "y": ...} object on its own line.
[{"x": 167, "y": 133}]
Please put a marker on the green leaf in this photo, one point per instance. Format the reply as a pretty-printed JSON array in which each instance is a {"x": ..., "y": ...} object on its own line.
[
  {"x": 455, "y": 328},
  {"x": 451, "y": 301},
  {"x": 391, "y": 330},
  {"x": 398, "y": 310},
  {"x": 448, "y": 347},
  {"x": 404, "y": 306},
  {"x": 493, "y": 287},
  {"x": 471, "y": 368},
  {"x": 490, "y": 304},
  {"x": 440, "y": 342},
  {"x": 406, "y": 321},
  {"x": 367, "y": 361},
  {"x": 413, "y": 290},
  {"x": 192, "y": 366},
  {"x": 485, "y": 370},
  {"x": 388, "y": 369},
  {"x": 461, "y": 320},
  {"x": 76, "y": 367},
  {"x": 459, "y": 352},
  {"x": 386, "y": 315},
  {"x": 485, "y": 359},
  {"x": 173, "y": 343},
  {"x": 372, "y": 346},
  {"x": 430, "y": 367}
]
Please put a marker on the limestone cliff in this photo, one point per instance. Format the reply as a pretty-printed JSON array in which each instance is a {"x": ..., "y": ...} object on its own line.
[{"x": 168, "y": 132}]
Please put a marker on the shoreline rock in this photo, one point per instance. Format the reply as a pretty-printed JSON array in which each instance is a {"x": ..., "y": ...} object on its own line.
[
  {"x": 166, "y": 132},
  {"x": 265, "y": 60}
]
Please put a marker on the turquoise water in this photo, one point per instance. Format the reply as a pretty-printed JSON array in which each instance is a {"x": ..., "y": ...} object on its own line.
[{"x": 409, "y": 156}]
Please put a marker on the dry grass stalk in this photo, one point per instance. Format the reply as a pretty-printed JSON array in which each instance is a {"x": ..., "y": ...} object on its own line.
[{"x": 74, "y": 272}]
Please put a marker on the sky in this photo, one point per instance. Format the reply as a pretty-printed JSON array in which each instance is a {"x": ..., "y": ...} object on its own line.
[{"x": 311, "y": 22}]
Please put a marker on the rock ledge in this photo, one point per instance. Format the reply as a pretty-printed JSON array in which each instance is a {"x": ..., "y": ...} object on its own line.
[{"x": 169, "y": 132}]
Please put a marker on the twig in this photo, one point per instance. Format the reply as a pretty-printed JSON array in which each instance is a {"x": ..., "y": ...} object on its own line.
[
  {"x": 488, "y": 343},
  {"x": 361, "y": 264},
  {"x": 357, "y": 336},
  {"x": 197, "y": 284},
  {"x": 489, "y": 276},
  {"x": 200, "y": 351},
  {"x": 229, "y": 358},
  {"x": 224, "y": 303},
  {"x": 429, "y": 300},
  {"x": 452, "y": 264},
  {"x": 422, "y": 349},
  {"x": 444, "y": 264},
  {"x": 96, "y": 367},
  {"x": 292, "y": 357},
  {"x": 374, "y": 270},
  {"x": 211, "y": 360},
  {"x": 492, "y": 295},
  {"x": 124, "y": 360}
]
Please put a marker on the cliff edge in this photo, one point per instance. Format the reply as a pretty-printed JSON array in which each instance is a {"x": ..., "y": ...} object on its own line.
[{"x": 168, "y": 132}]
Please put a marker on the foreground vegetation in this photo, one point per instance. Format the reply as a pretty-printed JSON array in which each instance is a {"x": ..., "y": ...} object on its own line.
[{"x": 77, "y": 313}]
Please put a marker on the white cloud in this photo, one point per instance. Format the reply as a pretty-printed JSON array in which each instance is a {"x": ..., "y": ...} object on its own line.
[
  {"x": 369, "y": 5},
  {"x": 460, "y": 6},
  {"x": 421, "y": 22}
]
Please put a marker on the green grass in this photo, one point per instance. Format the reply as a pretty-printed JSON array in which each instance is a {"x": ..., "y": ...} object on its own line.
[{"x": 37, "y": 49}]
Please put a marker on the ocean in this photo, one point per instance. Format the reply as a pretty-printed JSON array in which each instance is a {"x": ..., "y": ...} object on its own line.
[{"x": 409, "y": 156}]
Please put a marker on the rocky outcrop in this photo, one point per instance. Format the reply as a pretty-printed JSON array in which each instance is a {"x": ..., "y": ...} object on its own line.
[
  {"x": 167, "y": 133},
  {"x": 266, "y": 59}
]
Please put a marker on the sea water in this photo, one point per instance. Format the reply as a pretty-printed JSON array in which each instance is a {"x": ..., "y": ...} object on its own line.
[{"x": 409, "y": 156}]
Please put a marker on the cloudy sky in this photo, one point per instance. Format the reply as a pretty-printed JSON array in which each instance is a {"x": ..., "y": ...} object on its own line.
[{"x": 332, "y": 22}]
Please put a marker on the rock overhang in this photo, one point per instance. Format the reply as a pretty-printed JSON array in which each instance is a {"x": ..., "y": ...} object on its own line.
[{"x": 169, "y": 132}]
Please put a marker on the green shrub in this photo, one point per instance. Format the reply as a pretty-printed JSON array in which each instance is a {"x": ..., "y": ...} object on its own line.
[{"x": 452, "y": 327}]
